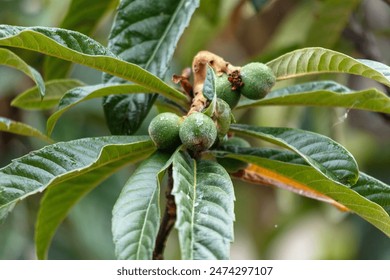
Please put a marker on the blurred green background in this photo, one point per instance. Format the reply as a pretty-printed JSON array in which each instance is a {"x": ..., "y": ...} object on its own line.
[{"x": 270, "y": 223}]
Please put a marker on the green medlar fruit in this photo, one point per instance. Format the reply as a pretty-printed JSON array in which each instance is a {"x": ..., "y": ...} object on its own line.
[
  {"x": 230, "y": 164},
  {"x": 258, "y": 80},
  {"x": 164, "y": 131},
  {"x": 198, "y": 132},
  {"x": 224, "y": 91},
  {"x": 222, "y": 118}
]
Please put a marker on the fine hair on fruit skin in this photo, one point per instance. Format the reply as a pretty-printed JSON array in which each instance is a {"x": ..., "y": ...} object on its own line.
[
  {"x": 198, "y": 132},
  {"x": 258, "y": 79},
  {"x": 222, "y": 118},
  {"x": 164, "y": 131},
  {"x": 225, "y": 92}
]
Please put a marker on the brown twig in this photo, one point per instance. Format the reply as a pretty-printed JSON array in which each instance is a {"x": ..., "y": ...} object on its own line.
[
  {"x": 199, "y": 68},
  {"x": 199, "y": 102},
  {"x": 168, "y": 220}
]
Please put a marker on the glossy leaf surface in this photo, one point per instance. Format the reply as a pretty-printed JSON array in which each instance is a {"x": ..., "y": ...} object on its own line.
[
  {"x": 145, "y": 34},
  {"x": 82, "y": 16},
  {"x": 136, "y": 214},
  {"x": 204, "y": 199},
  {"x": 321, "y": 152},
  {"x": 325, "y": 93},
  {"x": 80, "y": 94},
  {"x": 55, "y": 89},
  {"x": 19, "y": 128},
  {"x": 309, "y": 61},
  {"x": 368, "y": 198},
  {"x": 70, "y": 169},
  {"x": 76, "y": 47},
  {"x": 10, "y": 59}
]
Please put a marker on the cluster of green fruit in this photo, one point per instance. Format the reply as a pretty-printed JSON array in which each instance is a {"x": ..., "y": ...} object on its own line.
[
  {"x": 257, "y": 80},
  {"x": 198, "y": 131}
]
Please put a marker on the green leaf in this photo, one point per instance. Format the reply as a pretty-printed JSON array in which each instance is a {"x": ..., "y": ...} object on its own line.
[
  {"x": 82, "y": 16},
  {"x": 256, "y": 176},
  {"x": 55, "y": 89},
  {"x": 269, "y": 153},
  {"x": 369, "y": 205},
  {"x": 321, "y": 152},
  {"x": 69, "y": 170},
  {"x": 125, "y": 113},
  {"x": 374, "y": 190},
  {"x": 80, "y": 94},
  {"x": 331, "y": 19},
  {"x": 19, "y": 128},
  {"x": 10, "y": 59},
  {"x": 204, "y": 198},
  {"x": 136, "y": 214},
  {"x": 378, "y": 66},
  {"x": 319, "y": 60},
  {"x": 209, "y": 91},
  {"x": 209, "y": 84},
  {"x": 324, "y": 93},
  {"x": 78, "y": 48},
  {"x": 145, "y": 33}
]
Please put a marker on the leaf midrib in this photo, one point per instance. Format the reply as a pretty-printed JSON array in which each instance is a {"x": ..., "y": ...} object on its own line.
[
  {"x": 162, "y": 39},
  {"x": 144, "y": 223},
  {"x": 284, "y": 143},
  {"x": 193, "y": 210},
  {"x": 63, "y": 177},
  {"x": 88, "y": 167}
]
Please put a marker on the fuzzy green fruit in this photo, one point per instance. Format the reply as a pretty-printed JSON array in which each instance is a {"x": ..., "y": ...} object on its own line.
[
  {"x": 198, "y": 132},
  {"x": 222, "y": 118},
  {"x": 164, "y": 131},
  {"x": 230, "y": 164},
  {"x": 258, "y": 80},
  {"x": 224, "y": 91}
]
